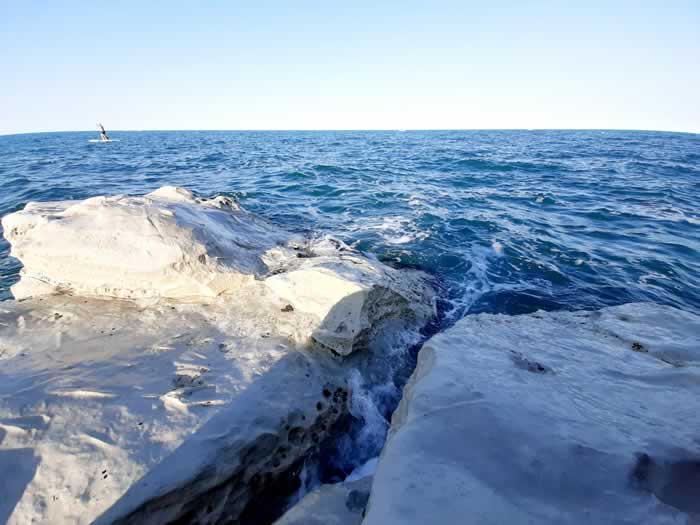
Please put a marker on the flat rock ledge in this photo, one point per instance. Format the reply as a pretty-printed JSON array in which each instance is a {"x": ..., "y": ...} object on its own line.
[
  {"x": 173, "y": 359},
  {"x": 561, "y": 418}
]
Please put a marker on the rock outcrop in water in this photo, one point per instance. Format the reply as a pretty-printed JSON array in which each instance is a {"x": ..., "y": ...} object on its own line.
[
  {"x": 561, "y": 418},
  {"x": 171, "y": 244},
  {"x": 158, "y": 368}
]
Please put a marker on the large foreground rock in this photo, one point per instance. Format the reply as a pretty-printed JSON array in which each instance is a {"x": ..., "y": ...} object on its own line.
[
  {"x": 150, "y": 413},
  {"x": 159, "y": 367},
  {"x": 560, "y": 418}
]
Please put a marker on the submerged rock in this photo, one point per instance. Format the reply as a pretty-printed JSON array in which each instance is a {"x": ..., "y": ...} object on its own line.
[{"x": 548, "y": 418}]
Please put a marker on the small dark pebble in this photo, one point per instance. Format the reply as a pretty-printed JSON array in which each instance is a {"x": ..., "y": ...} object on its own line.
[
  {"x": 326, "y": 392},
  {"x": 288, "y": 308},
  {"x": 319, "y": 406}
]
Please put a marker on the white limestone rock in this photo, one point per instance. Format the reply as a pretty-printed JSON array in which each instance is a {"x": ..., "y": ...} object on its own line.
[
  {"x": 349, "y": 296},
  {"x": 172, "y": 244},
  {"x": 145, "y": 412},
  {"x": 157, "y": 369},
  {"x": 561, "y": 418},
  {"x": 168, "y": 243}
]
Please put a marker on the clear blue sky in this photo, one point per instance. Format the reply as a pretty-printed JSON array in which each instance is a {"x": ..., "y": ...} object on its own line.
[{"x": 349, "y": 65}]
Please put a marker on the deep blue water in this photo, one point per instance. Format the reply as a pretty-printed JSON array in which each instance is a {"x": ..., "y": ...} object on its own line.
[{"x": 507, "y": 221}]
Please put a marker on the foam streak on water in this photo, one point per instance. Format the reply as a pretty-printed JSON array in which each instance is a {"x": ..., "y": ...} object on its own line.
[{"x": 508, "y": 221}]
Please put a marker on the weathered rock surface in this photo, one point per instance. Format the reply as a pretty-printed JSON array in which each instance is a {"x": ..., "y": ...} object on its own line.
[
  {"x": 172, "y": 244},
  {"x": 337, "y": 504},
  {"x": 168, "y": 243},
  {"x": 350, "y": 296},
  {"x": 561, "y": 418},
  {"x": 150, "y": 413},
  {"x": 157, "y": 368}
]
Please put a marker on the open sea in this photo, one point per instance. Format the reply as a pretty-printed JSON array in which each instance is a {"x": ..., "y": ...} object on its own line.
[{"x": 506, "y": 221}]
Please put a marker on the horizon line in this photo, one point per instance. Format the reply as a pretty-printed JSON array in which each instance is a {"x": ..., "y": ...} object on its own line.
[{"x": 116, "y": 130}]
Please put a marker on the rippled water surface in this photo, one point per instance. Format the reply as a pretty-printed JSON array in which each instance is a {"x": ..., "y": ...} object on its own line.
[{"x": 507, "y": 221}]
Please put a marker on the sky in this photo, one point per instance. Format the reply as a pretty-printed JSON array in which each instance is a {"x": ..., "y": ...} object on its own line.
[{"x": 349, "y": 65}]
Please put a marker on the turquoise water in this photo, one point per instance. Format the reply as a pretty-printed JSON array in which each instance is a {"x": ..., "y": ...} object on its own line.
[{"x": 507, "y": 221}]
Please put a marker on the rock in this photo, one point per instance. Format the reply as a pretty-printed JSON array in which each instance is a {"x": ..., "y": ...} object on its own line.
[
  {"x": 337, "y": 504},
  {"x": 125, "y": 412},
  {"x": 168, "y": 243},
  {"x": 548, "y": 418},
  {"x": 350, "y": 296},
  {"x": 157, "y": 368},
  {"x": 172, "y": 244}
]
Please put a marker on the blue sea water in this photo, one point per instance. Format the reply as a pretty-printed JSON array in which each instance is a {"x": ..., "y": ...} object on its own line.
[{"x": 506, "y": 221}]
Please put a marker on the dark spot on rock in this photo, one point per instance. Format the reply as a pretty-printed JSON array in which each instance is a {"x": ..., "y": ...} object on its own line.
[
  {"x": 288, "y": 308},
  {"x": 210, "y": 509},
  {"x": 528, "y": 364},
  {"x": 326, "y": 392},
  {"x": 357, "y": 500},
  {"x": 57, "y": 316},
  {"x": 334, "y": 410},
  {"x": 319, "y": 406},
  {"x": 639, "y": 347},
  {"x": 296, "y": 436}
]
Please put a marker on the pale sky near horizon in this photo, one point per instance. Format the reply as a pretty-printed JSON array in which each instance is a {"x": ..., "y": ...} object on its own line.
[{"x": 352, "y": 65}]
